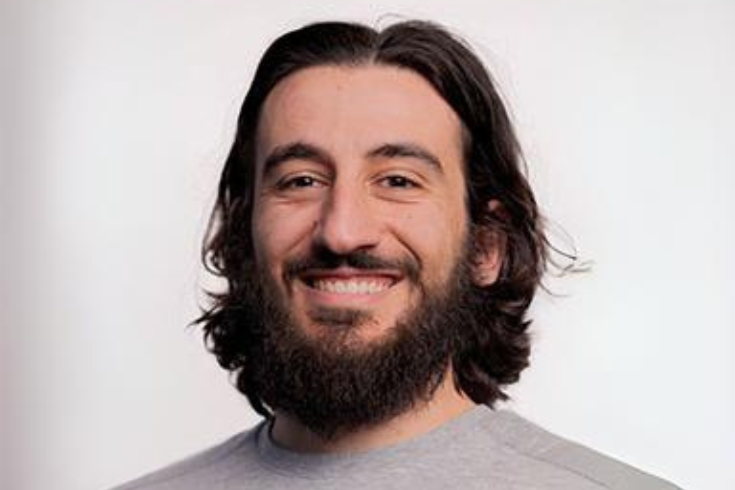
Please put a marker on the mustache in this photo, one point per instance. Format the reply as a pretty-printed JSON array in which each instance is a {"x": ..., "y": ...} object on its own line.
[{"x": 323, "y": 258}]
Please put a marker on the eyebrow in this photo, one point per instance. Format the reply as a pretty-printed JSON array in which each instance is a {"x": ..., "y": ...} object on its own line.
[
  {"x": 301, "y": 150},
  {"x": 298, "y": 150},
  {"x": 407, "y": 150}
]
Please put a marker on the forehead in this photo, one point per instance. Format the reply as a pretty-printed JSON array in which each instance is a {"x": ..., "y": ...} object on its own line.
[{"x": 353, "y": 108}]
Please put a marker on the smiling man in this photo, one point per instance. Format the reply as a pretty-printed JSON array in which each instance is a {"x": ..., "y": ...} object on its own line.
[
  {"x": 381, "y": 246},
  {"x": 359, "y": 229}
]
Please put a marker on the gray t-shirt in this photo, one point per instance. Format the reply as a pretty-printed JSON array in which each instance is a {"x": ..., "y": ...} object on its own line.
[{"x": 482, "y": 449}]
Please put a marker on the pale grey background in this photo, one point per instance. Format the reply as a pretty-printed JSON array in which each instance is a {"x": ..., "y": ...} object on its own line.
[{"x": 123, "y": 111}]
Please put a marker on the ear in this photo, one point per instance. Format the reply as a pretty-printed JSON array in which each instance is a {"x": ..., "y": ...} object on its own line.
[{"x": 488, "y": 250}]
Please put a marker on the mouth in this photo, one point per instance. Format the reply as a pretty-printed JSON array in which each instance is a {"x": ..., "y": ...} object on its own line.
[{"x": 348, "y": 282}]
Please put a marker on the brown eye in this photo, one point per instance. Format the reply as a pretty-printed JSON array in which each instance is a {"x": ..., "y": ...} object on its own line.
[
  {"x": 399, "y": 181},
  {"x": 299, "y": 182}
]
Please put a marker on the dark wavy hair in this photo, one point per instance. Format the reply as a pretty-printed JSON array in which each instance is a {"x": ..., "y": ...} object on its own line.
[{"x": 494, "y": 170}]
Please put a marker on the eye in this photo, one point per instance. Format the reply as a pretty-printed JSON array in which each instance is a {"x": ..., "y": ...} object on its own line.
[
  {"x": 298, "y": 182},
  {"x": 399, "y": 182}
]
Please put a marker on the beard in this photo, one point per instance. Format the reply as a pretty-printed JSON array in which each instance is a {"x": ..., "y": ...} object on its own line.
[{"x": 335, "y": 382}]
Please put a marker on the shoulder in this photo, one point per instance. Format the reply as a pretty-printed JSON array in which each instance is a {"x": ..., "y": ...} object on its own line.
[
  {"x": 225, "y": 461},
  {"x": 544, "y": 448}
]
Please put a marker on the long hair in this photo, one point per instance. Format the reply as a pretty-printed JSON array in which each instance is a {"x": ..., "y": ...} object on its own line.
[{"x": 494, "y": 170}]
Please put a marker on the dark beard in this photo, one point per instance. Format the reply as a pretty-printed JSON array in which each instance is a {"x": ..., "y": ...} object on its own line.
[{"x": 334, "y": 382}]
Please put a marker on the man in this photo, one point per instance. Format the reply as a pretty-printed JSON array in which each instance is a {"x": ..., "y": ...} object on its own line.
[{"x": 381, "y": 246}]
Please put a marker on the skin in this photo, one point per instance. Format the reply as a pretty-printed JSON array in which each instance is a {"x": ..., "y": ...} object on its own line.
[{"x": 365, "y": 158}]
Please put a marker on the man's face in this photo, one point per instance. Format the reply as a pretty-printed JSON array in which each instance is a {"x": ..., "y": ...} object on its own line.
[{"x": 357, "y": 161}]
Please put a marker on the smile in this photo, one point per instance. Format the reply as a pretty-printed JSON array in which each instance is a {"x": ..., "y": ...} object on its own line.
[
  {"x": 348, "y": 281},
  {"x": 352, "y": 286}
]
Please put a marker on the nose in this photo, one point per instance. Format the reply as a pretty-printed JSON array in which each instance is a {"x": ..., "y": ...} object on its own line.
[{"x": 347, "y": 222}]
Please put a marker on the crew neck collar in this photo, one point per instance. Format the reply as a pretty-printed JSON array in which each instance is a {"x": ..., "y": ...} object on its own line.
[{"x": 325, "y": 465}]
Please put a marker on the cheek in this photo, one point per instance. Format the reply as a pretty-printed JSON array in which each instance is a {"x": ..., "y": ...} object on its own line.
[
  {"x": 278, "y": 232},
  {"x": 267, "y": 236},
  {"x": 435, "y": 234}
]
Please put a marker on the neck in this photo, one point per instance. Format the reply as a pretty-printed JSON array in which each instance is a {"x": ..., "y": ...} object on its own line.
[{"x": 446, "y": 404}]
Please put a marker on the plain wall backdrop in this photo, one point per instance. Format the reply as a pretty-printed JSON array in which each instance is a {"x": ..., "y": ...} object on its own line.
[{"x": 123, "y": 112}]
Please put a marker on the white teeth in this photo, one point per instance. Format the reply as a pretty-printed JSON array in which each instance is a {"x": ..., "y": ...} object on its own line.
[{"x": 352, "y": 286}]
